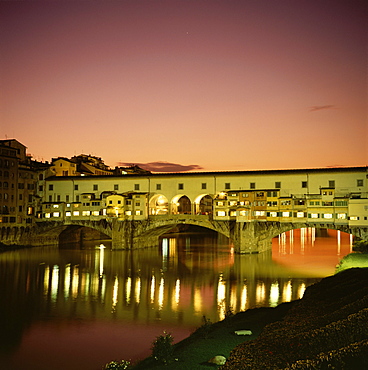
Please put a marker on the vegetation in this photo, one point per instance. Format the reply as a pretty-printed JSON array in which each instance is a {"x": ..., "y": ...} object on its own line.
[
  {"x": 117, "y": 365},
  {"x": 326, "y": 329},
  {"x": 360, "y": 246},
  {"x": 163, "y": 349}
]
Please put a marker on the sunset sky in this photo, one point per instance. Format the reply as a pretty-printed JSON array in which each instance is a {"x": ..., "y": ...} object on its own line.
[{"x": 202, "y": 85}]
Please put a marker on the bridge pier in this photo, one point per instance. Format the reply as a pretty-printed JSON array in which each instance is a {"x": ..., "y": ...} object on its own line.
[
  {"x": 250, "y": 237},
  {"x": 122, "y": 234}
]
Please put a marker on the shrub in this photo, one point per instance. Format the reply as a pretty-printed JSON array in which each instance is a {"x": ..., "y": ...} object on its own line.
[
  {"x": 360, "y": 246},
  {"x": 115, "y": 365},
  {"x": 163, "y": 349}
]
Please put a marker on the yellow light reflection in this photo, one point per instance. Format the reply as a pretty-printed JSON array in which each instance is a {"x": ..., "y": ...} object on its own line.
[
  {"x": 274, "y": 294},
  {"x": 287, "y": 292},
  {"x": 67, "y": 281},
  {"x": 301, "y": 290},
  {"x": 221, "y": 296},
  {"x": 291, "y": 241},
  {"x": 102, "y": 257},
  {"x": 302, "y": 239},
  {"x": 153, "y": 283},
  {"x": 197, "y": 300},
  {"x": 75, "y": 282},
  {"x": 244, "y": 298},
  {"x": 233, "y": 299},
  {"x": 282, "y": 243},
  {"x": 46, "y": 280},
  {"x": 54, "y": 282},
  {"x": 128, "y": 289},
  {"x": 103, "y": 288},
  {"x": 177, "y": 291},
  {"x": 161, "y": 294},
  {"x": 137, "y": 290},
  {"x": 115, "y": 294},
  {"x": 338, "y": 242},
  {"x": 260, "y": 292}
]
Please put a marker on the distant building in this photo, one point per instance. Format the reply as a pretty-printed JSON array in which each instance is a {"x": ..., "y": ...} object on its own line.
[
  {"x": 87, "y": 165},
  {"x": 18, "y": 183}
]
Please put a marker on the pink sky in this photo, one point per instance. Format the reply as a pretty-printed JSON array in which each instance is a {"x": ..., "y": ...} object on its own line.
[{"x": 217, "y": 85}]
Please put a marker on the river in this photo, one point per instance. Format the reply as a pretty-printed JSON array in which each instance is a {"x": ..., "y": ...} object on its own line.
[{"x": 77, "y": 309}]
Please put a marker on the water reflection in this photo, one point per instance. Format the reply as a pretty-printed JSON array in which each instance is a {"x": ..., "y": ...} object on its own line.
[{"x": 174, "y": 285}]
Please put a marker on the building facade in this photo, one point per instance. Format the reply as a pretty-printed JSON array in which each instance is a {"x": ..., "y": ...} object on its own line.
[{"x": 329, "y": 195}]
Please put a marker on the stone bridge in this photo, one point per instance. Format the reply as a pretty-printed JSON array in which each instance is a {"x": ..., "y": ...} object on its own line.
[{"x": 247, "y": 237}]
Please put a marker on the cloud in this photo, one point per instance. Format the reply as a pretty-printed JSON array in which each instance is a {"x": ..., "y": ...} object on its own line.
[
  {"x": 321, "y": 107},
  {"x": 164, "y": 166}
]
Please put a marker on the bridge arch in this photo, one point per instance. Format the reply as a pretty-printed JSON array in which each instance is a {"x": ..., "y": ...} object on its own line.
[
  {"x": 282, "y": 227},
  {"x": 158, "y": 205},
  {"x": 203, "y": 204},
  {"x": 181, "y": 204}
]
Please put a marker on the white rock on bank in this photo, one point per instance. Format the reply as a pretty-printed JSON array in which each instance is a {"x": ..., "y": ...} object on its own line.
[
  {"x": 243, "y": 332},
  {"x": 218, "y": 360}
]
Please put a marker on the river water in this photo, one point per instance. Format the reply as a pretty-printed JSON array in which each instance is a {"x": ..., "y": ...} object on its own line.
[{"x": 78, "y": 309}]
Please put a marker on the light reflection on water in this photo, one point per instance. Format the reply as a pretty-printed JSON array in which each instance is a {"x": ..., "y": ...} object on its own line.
[{"x": 88, "y": 307}]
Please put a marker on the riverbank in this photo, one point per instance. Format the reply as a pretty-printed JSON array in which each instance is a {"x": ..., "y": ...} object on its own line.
[{"x": 329, "y": 325}]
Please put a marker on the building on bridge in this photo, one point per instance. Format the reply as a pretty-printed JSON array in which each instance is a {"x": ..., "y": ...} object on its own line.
[{"x": 337, "y": 195}]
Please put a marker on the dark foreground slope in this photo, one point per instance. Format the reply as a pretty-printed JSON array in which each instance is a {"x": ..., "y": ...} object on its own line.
[{"x": 327, "y": 328}]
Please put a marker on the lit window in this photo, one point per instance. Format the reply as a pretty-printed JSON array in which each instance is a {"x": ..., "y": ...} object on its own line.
[
  {"x": 232, "y": 213},
  {"x": 47, "y": 215},
  {"x": 55, "y": 205},
  {"x": 86, "y": 213},
  {"x": 233, "y": 203},
  {"x": 285, "y": 214},
  {"x": 68, "y": 205},
  {"x": 341, "y": 216},
  {"x": 314, "y": 215},
  {"x": 300, "y": 214},
  {"x": 68, "y": 214},
  {"x": 220, "y": 203},
  {"x": 56, "y": 214},
  {"x": 327, "y": 215},
  {"x": 243, "y": 213},
  {"x": 95, "y": 213},
  {"x": 138, "y": 213},
  {"x": 128, "y": 213},
  {"x": 221, "y": 213},
  {"x": 75, "y": 213},
  {"x": 259, "y": 213},
  {"x": 354, "y": 218},
  {"x": 273, "y": 214}
]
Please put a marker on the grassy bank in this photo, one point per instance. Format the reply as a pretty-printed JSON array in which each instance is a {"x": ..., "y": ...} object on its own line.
[{"x": 327, "y": 328}]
